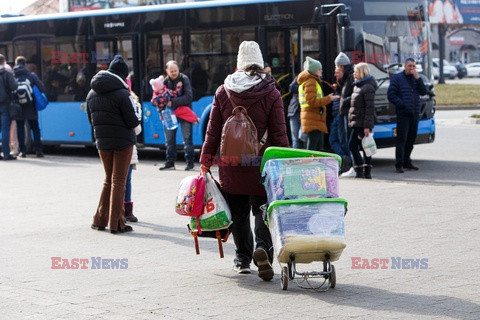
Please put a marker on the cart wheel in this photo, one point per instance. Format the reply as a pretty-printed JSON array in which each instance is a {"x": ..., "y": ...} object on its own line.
[
  {"x": 333, "y": 278},
  {"x": 291, "y": 273},
  {"x": 284, "y": 278}
]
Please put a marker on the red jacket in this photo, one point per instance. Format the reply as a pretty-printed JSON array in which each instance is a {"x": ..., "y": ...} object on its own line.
[{"x": 265, "y": 107}]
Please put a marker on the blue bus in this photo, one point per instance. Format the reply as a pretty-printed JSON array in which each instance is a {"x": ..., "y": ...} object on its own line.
[{"x": 66, "y": 50}]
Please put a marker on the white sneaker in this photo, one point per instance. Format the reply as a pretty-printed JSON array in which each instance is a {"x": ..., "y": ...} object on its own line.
[{"x": 349, "y": 174}]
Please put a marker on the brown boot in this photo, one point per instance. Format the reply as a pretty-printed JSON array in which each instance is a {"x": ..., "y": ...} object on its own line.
[{"x": 129, "y": 212}]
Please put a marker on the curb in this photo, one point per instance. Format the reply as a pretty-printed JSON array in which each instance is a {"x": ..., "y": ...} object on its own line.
[{"x": 452, "y": 107}]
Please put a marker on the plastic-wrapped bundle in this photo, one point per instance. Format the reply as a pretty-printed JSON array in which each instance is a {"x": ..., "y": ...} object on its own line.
[
  {"x": 300, "y": 178},
  {"x": 308, "y": 229}
]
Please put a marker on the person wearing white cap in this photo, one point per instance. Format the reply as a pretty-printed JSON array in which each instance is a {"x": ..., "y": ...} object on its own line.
[
  {"x": 250, "y": 87},
  {"x": 313, "y": 105}
]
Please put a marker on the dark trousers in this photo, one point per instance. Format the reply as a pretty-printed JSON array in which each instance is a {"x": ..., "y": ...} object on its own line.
[
  {"x": 315, "y": 140},
  {"x": 355, "y": 145},
  {"x": 171, "y": 141},
  {"x": 21, "y": 135},
  {"x": 240, "y": 206},
  {"x": 110, "y": 207},
  {"x": 407, "y": 126}
]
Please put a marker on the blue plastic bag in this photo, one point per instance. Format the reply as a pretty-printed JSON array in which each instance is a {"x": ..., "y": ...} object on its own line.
[{"x": 41, "y": 101}]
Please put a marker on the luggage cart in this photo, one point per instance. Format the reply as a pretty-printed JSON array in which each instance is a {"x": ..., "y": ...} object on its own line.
[
  {"x": 323, "y": 244},
  {"x": 289, "y": 271},
  {"x": 305, "y": 231}
]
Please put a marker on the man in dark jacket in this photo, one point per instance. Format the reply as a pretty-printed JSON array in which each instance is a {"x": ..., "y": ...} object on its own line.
[
  {"x": 110, "y": 109},
  {"x": 29, "y": 111},
  {"x": 183, "y": 99},
  {"x": 338, "y": 127},
  {"x": 7, "y": 85},
  {"x": 404, "y": 92}
]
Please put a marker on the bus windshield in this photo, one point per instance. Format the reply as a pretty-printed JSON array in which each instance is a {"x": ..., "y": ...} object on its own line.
[{"x": 392, "y": 32}]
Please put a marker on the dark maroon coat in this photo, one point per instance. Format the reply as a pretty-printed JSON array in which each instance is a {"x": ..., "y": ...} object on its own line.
[{"x": 265, "y": 107}]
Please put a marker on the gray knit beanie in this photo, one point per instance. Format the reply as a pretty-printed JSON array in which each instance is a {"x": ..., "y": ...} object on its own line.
[{"x": 342, "y": 60}]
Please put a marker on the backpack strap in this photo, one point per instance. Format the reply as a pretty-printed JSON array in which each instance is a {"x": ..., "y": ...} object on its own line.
[{"x": 263, "y": 140}]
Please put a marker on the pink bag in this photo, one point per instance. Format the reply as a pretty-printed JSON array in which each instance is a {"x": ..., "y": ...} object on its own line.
[{"x": 191, "y": 197}]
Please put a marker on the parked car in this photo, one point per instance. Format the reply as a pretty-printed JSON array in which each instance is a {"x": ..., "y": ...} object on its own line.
[
  {"x": 461, "y": 70},
  {"x": 473, "y": 69},
  {"x": 449, "y": 71}
]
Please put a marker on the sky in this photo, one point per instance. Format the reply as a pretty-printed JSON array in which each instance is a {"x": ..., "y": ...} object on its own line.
[{"x": 15, "y": 5}]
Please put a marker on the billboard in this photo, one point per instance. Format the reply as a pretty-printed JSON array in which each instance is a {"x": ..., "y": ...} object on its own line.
[{"x": 454, "y": 11}]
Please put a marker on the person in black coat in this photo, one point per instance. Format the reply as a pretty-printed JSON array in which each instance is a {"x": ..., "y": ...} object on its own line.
[
  {"x": 361, "y": 117},
  {"x": 404, "y": 92},
  {"x": 110, "y": 109},
  {"x": 7, "y": 85},
  {"x": 29, "y": 111}
]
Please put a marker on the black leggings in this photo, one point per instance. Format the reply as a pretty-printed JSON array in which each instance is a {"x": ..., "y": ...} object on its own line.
[{"x": 240, "y": 206}]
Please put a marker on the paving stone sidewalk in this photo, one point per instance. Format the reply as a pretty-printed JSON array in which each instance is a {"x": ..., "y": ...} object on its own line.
[{"x": 47, "y": 205}]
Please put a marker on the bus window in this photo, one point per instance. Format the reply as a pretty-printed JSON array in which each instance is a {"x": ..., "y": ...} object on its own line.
[
  {"x": 311, "y": 44},
  {"x": 213, "y": 56},
  {"x": 173, "y": 47},
  {"x": 231, "y": 38},
  {"x": 63, "y": 68},
  {"x": 26, "y": 48},
  {"x": 206, "y": 42}
]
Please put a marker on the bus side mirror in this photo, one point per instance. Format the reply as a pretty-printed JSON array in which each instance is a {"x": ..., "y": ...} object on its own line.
[{"x": 348, "y": 39}]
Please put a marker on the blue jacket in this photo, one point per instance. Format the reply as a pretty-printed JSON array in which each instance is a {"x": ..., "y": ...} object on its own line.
[{"x": 404, "y": 92}]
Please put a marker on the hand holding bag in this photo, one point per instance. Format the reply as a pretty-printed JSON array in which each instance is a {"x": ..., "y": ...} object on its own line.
[
  {"x": 369, "y": 145},
  {"x": 215, "y": 219}
]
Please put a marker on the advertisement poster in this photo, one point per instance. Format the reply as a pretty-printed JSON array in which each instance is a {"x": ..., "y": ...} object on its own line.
[{"x": 454, "y": 11}]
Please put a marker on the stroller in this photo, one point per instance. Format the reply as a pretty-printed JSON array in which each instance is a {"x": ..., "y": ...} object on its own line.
[{"x": 304, "y": 214}]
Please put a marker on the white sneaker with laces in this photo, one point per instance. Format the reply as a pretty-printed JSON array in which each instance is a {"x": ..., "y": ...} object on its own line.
[{"x": 349, "y": 174}]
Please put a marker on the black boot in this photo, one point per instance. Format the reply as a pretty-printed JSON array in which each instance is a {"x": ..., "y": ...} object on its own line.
[
  {"x": 367, "y": 172},
  {"x": 359, "y": 172}
]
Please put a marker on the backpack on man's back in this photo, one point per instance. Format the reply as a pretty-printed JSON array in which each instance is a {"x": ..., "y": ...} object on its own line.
[{"x": 24, "y": 92}]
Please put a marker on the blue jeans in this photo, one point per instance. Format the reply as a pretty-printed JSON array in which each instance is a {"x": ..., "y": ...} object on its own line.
[
  {"x": 128, "y": 185},
  {"x": 338, "y": 137},
  {"x": 171, "y": 135},
  {"x": 295, "y": 125},
  {"x": 5, "y": 125},
  {"x": 21, "y": 135},
  {"x": 407, "y": 127}
]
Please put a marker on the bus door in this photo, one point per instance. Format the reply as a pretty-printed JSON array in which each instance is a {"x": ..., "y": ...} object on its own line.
[
  {"x": 280, "y": 51},
  {"x": 285, "y": 50}
]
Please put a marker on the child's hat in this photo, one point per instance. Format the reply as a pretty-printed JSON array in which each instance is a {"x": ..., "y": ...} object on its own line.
[{"x": 157, "y": 83}]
